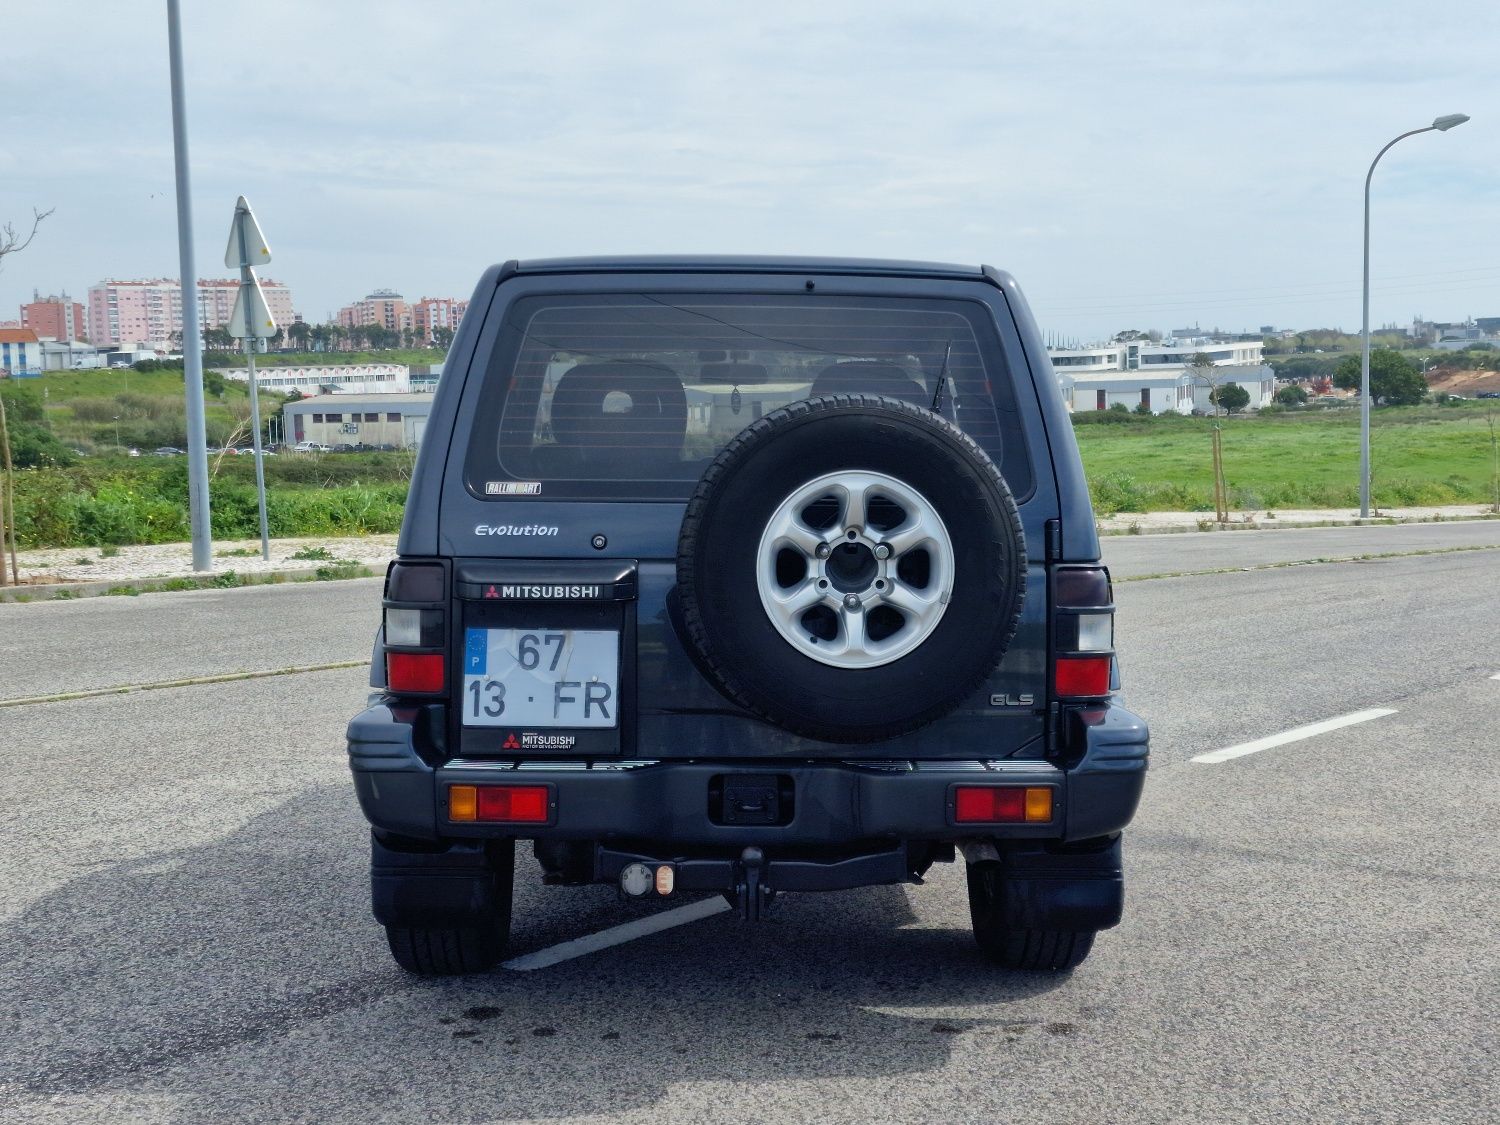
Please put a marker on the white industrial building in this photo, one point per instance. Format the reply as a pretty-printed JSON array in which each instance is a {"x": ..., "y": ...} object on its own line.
[
  {"x": 394, "y": 420},
  {"x": 338, "y": 378},
  {"x": 1157, "y": 376}
]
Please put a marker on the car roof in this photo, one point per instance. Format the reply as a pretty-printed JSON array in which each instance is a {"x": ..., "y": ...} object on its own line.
[{"x": 728, "y": 263}]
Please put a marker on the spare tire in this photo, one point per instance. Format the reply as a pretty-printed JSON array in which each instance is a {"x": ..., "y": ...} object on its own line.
[{"x": 850, "y": 567}]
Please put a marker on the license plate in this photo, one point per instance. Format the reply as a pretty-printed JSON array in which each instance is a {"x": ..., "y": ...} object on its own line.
[{"x": 541, "y": 677}]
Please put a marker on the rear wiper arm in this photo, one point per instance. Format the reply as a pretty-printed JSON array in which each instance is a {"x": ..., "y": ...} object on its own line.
[{"x": 937, "y": 395}]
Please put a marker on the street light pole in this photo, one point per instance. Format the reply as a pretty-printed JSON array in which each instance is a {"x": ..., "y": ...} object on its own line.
[
  {"x": 1442, "y": 125},
  {"x": 192, "y": 356}
]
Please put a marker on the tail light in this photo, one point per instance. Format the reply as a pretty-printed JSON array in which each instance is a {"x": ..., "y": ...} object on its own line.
[
  {"x": 502, "y": 804},
  {"x": 416, "y": 634},
  {"x": 1000, "y": 804},
  {"x": 1084, "y": 638}
]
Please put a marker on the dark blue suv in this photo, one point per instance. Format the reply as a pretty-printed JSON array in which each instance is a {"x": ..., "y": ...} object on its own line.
[{"x": 741, "y": 576}]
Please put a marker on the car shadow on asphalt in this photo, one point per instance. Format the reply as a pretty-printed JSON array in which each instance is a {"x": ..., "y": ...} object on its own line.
[{"x": 253, "y": 965}]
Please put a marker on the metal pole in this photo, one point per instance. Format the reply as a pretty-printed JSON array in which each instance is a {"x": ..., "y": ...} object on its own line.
[
  {"x": 260, "y": 465},
  {"x": 1364, "y": 362},
  {"x": 192, "y": 340}
]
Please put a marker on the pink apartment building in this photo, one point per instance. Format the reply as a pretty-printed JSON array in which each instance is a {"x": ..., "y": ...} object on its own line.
[
  {"x": 436, "y": 312},
  {"x": 150, "y": 311},
  {"x": 60, "y": 318}
]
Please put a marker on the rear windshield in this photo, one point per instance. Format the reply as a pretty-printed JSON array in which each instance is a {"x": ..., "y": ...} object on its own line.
[{"x": 630, "y": 396}]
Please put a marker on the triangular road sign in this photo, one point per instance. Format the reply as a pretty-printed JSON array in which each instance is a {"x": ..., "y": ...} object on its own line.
[
  {"x": 251, "y": 319},
  {"x": 247, "y": 246}
]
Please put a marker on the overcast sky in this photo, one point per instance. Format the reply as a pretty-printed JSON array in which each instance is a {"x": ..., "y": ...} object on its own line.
[{"x": 1135, "y": 165}]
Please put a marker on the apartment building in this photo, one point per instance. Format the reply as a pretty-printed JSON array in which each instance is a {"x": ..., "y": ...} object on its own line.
[
  {"x": 55, "y": 317},
  {"x": 384, "y": 307},
  {"x": 150, "y": 311},
  {"x": 432, "y": 313}
]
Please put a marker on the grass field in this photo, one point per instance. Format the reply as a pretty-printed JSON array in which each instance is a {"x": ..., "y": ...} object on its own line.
[
  {"x": 300, "y": 359},
  {"x": 1422, "y": 455},
  {"x": 1419, "y": 455},
  {"x": 82, "y": 407}
]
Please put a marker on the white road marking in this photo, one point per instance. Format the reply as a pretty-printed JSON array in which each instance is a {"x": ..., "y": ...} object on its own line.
[
  {"x": 1296, "y": 734},
  {"x": 616, "y": 935}
]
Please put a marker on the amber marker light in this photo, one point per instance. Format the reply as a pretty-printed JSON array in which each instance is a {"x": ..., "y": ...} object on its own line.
[
  {"x": 1038, "y": 805},
  {"x": 463, "y": 802}
]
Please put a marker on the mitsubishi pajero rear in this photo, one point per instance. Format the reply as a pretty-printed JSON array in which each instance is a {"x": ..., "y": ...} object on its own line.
[{"x": 740, "y": 577}]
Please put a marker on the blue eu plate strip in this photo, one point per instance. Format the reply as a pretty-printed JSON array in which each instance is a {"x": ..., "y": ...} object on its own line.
[{"x": 476, "y": 651}]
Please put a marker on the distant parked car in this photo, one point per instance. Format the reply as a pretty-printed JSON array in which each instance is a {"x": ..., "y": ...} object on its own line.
[
  {"x": 166, "y": 451},
  {"x": 1488, "y": 394},
  {"x": 311, "y": 447}
]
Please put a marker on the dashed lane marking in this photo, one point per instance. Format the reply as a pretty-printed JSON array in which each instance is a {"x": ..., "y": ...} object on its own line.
[
  {"x": 1296, "y": 734},
  {"x": 617, "y": 935}
]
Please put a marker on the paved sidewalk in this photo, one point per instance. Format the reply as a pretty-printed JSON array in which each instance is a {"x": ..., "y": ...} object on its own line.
[
  {"x": 175, "y": 560},
  {"x": 1150, "y": 523}
]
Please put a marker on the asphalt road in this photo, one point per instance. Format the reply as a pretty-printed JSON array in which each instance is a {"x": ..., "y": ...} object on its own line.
[{"x": 1311, "y": 932}]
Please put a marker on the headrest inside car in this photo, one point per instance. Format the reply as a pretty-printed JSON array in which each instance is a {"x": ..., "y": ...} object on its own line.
[
  {"x": 620, "y": 403},
  {"x": 870, "y": 377}
]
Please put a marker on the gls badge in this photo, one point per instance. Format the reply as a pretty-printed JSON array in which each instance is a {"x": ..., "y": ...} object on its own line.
[{"x": 1002, "y": 700}]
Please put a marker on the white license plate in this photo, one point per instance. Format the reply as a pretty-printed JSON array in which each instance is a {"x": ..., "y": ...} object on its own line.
[{"x": 541, "y": 678}]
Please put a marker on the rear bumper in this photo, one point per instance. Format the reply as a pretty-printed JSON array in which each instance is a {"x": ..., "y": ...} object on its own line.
[{"x": 836, "y": 803}]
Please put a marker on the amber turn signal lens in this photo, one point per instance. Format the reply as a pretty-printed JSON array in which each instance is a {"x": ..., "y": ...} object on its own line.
[
  {"x": 463, "y": 802},
  {"x": 1038, "y": 805}
]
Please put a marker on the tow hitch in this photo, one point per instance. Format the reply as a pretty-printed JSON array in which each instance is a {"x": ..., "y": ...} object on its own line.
[{"x": 752, "y": 896}]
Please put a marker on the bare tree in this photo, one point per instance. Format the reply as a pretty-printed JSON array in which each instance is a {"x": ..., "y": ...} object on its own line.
[
  {"x": 11, "y": 241},
  {"x": 1202, "y": 371}
]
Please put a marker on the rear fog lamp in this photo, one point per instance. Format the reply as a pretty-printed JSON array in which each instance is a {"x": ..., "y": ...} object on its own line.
[
  {"x": 1082, "y": 676},
  {"x": 414, "y": 671},
  {"x": 414, "y": 628},
  {"x": 992, "y": 804},
  {"x": 1096, "y": 632}
]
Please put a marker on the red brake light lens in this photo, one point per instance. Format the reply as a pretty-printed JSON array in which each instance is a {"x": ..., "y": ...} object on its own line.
[
  {"x": 516, "y": 804},
  {"x": 988, "y": 805},
  {"x": 415, "y": 671},
  {"x": 1084, "y": 676}
]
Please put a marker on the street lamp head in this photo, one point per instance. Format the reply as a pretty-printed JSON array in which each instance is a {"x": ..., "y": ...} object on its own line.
[{"x": 1449, "y": 120}]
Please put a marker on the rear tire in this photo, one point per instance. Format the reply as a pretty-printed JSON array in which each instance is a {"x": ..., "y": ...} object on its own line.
[
  {"x": 437, "y": 952},
  {"x": 1047, "y": 951},
  {"x": 479, "y": 944}
]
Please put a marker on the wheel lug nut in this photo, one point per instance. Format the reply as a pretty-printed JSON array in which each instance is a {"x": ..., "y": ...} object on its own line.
[
  {"x": 851, "y": 601},
  {"x": 823, "y": 550},
  {"x": 882, "y": 552}
]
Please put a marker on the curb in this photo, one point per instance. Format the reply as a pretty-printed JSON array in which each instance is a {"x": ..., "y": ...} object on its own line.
[
  {"x": 1285, "y": 525},
  {"x": 215, "y": 580}
]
